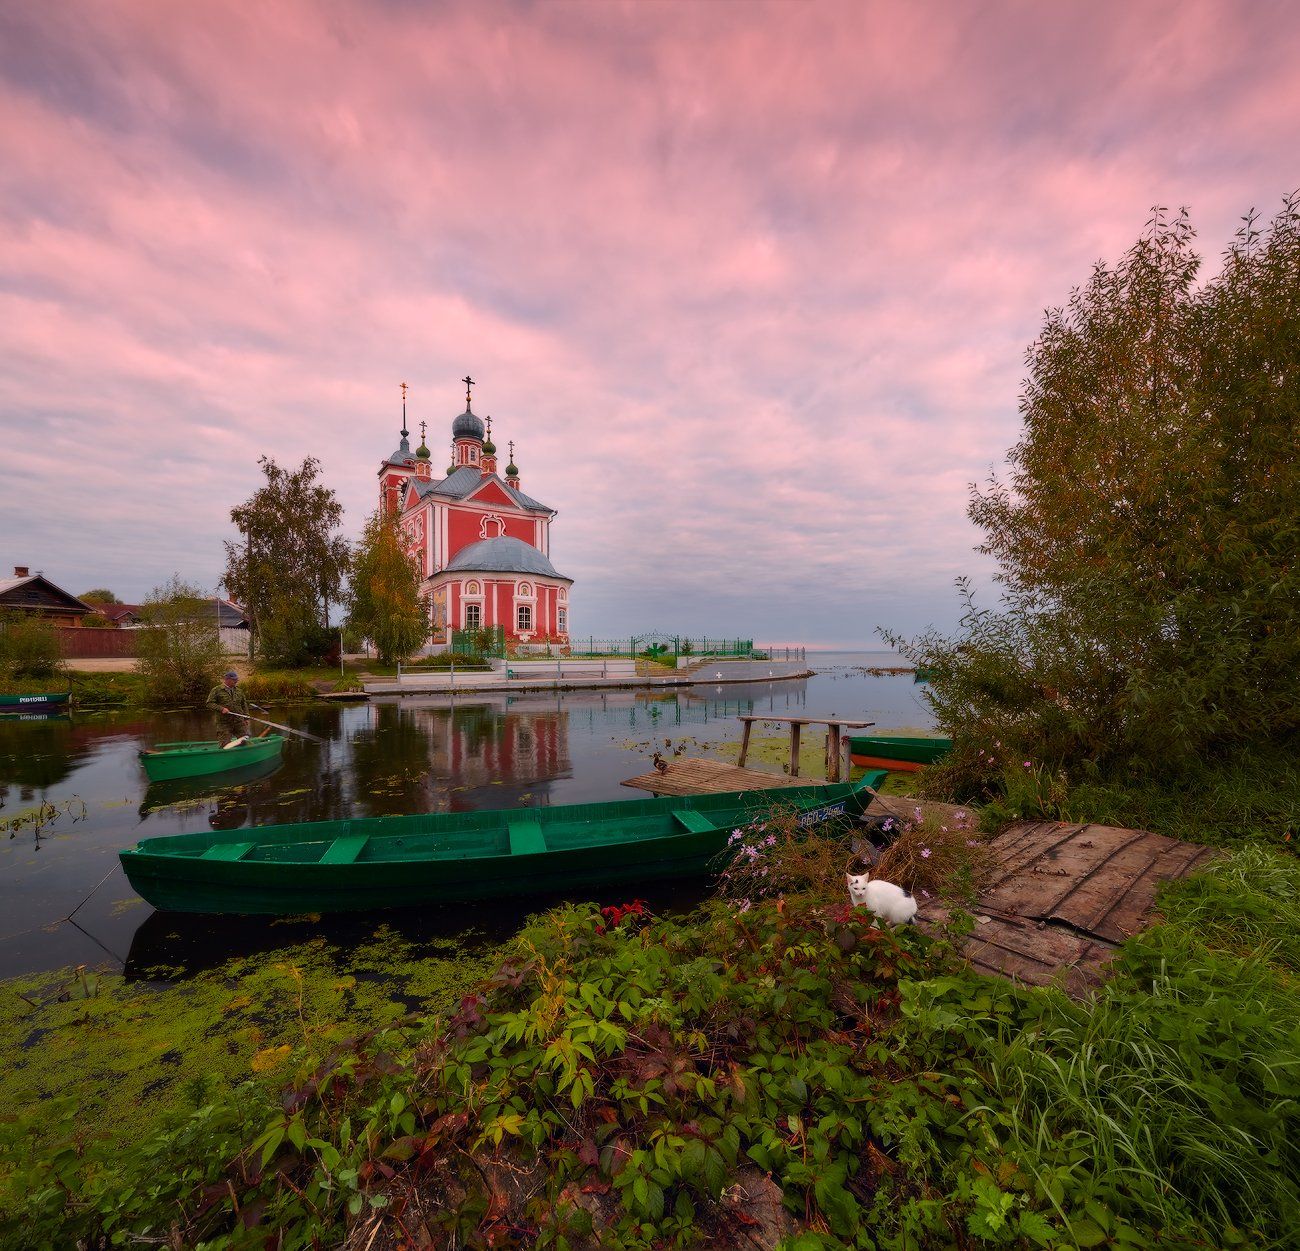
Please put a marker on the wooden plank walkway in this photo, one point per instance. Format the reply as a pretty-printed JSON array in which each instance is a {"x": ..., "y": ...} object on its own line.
[
  {"x": 709, "y": 777},
  {"x": 1065, "y": 896}
]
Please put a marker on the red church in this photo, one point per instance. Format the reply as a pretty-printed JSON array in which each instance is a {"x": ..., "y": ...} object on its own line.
[{"x": 482, "y": 544}]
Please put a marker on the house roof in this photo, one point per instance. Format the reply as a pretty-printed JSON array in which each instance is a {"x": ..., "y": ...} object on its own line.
[
  {"x": 465, "y": 480},
  {"x": 35, "y": 590},
  {"x": 115, "y": 612},
  {"x": 503, "y": 555}
]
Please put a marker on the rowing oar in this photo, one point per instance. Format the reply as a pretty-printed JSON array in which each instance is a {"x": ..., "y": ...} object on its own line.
[{"x": 275, "y": 725}]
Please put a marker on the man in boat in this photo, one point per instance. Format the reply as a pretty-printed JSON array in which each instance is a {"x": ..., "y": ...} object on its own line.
[{"x": 231, "y": 705}]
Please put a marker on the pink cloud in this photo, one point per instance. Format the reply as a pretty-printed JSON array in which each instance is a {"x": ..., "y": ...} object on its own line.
[{"x": 750, "y": 285}]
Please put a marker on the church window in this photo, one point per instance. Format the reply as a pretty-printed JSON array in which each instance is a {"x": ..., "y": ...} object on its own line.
[
  {"x": 525, "y": 617},
  {"x": 473, "y": 616},
  {"x": 562, "y": 621}
]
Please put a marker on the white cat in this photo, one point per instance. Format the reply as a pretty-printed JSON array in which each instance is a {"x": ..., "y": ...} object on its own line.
[{"x": 889, "y": 902}]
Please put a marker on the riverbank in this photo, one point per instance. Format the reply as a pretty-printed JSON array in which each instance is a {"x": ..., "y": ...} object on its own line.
[{"x": 751, "y": 1071}]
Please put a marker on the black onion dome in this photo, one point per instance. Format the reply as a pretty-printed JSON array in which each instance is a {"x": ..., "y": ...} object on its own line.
[{"x": 467, "y": 426}]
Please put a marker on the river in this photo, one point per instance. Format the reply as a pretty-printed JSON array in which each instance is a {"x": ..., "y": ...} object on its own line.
[{"x": 72, "y": 793}]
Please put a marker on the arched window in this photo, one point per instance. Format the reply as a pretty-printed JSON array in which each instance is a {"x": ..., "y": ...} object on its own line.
[{"x": 525, "y": 617}]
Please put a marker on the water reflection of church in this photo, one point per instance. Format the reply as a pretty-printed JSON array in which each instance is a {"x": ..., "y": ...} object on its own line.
[{"x": 484, "y": 744}]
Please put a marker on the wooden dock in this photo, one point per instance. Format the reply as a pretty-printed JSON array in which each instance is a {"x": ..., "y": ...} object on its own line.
[
  {"x": 710, "y": 777},
  {"x": 1065, "y": 896}
]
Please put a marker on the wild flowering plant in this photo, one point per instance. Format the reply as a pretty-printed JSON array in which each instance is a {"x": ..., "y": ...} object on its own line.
[
  {"x": 628, "y": 916},
  {"x": 934, "y": 855},
  {"x": 777, "y": 856}
]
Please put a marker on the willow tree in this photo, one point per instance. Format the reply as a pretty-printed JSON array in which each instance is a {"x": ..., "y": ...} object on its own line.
[
  {"x": 1147, "y": 534},
  {"x": 383, "y": 602}
]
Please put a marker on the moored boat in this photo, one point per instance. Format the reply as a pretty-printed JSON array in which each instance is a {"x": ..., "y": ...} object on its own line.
[
  {"x": 36, "y": 701},
  {"x": 391, "y": 862},
  {"x": 188, "y": 760},
  {"x": 900, "y": 754}
]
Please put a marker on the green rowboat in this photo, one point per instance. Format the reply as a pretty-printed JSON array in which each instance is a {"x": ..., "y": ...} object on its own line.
[
  {"x": 902, "y": 755},
  {"x": 391, "y": 862},
  {"x": 20, "y": 703},
  {"x": 190, "y": 760}
]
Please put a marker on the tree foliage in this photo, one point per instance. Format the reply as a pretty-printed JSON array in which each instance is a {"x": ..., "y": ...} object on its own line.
[
  {"x": 384, "y": 603},
  {"x": 179, "y": 650},
  {"x": 289, "y": 564},
  {"x": 98, "y": 595},
  {"x": 29, "y": 646},
  {"x": 1148, "y": 533}
]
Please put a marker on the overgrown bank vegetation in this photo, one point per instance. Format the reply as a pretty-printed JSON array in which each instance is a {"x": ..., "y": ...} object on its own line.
[{"x": 775, "y": 1070}]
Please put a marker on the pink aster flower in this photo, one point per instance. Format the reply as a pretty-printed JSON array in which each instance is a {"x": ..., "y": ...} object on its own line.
[{"x": 925, "y": 853}]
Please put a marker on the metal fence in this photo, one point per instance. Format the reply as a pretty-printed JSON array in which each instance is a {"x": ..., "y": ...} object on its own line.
[
  {"x": 489, "y": 641},
  {"x": 660, "y": 645}
]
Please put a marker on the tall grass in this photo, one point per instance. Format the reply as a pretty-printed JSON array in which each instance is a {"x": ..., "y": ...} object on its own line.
[{"x": 1171, "y": 1100}]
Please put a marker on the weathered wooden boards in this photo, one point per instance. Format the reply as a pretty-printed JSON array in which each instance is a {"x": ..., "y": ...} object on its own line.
[
  {"x": 1066, "y": 896},
  {"x": 709, "y": 777},
  {"x": 837, "y": 743}
]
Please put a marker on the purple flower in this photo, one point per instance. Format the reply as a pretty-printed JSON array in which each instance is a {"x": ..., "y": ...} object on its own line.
[
  {"x": 972, "y": 842},
  {"x": 735, "y": 838},
  {"x": 770, "y": 841},
  {"x": 1029, "y": 764},
  {"x": 745, "y": 905},
  {"x": 925, "y": 894},
  {"x": 918, "y": 814},
  {"x": 925, "y": 853}
]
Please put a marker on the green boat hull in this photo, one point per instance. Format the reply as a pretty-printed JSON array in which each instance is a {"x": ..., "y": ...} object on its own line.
[
  {"x": 888, "y": 751},
  {"x": 395, "y": 862},
  {"x": 169, "y": 761},
  {"x": 35, "y": 702}
]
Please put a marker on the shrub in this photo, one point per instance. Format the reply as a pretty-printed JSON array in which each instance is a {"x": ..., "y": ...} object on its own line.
[
  {"x": 29, "y": 646},
  {"x": 179, "y": 650}
]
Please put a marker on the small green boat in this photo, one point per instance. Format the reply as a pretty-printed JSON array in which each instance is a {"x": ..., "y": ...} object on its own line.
[
  {"x": 190, "y": 760},
  {"x": 33, "y": 702},
  {"x": 902, "y": 755},
  {"x": 391, "y": 862}
]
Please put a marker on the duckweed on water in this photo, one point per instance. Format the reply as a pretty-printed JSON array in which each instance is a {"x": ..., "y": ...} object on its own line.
[{"x": 129, "y": 1051}]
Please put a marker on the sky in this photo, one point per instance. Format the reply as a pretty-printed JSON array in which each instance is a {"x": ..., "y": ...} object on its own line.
[{"x": 749, "y": 285}]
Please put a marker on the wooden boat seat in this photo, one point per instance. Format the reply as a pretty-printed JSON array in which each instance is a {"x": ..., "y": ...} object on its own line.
[
  {"x": 526, "y": 838},
  {"x": 228, "y": 851},
  {"x": 344, "y": 850},
  {"x": 694, "y": 821}
]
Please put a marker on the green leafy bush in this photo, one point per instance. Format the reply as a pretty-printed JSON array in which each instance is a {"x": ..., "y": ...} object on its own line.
[
  {"x": 1148, "y": 536},
  {"x": 29, "y": 646},
  {"x": 179, "y": 653}
]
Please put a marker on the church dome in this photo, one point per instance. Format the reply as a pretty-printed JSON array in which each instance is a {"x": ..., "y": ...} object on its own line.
[
  {"x": 512, "y": 470},
  {"x": 489, "y": 448},
  {"x": 422, "y": 452},
  {"x": 503, "y": 555},
  {"x": 467, "y": 426}
]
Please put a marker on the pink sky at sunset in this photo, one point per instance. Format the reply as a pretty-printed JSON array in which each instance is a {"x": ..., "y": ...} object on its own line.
[{"x": 749, "y": 285}]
